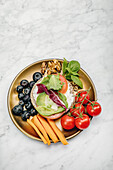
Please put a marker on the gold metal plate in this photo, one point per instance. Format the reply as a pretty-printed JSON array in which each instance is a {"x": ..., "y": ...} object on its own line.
[{"x": 13, "y": 100}]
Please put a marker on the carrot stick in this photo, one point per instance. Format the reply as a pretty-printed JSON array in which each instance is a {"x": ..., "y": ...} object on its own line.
[
  {"x": 37, "y": 131},
  {"x": 57, "y": 131},
  {"x": 48, "y": 129},
  {"x": 41, "y": 128}
]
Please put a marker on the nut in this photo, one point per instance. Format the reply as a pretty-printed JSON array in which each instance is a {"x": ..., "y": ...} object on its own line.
[
  {"x": 43, "y": 64},
  {"x": 49, "y": 64},
  {"x": 48, "y": 72},
  {"x": 59, "y": 64},
  {"x": 54, "y": 71},
  {"x": 75, "y": 87},
  {"x": 53, "y": 66},
  {"x": 58, "y": 68},
  {"x": 43, "y": 69},
  {"x": 72, "y": 83},
  {"x": 55, "y": 61}
]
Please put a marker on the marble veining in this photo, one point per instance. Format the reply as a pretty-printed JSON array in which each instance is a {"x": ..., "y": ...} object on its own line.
[{"x": 75, "y": 29}]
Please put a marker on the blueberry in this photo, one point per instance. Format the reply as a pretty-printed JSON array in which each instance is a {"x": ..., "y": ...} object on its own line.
[
  {"x": 31, "y": 84},
  {"x": 19, "y": 89},
  {"x": 21, "y": 102},
  {"x": 37, "y": 76},
  {"x": 33, "y": 112},
  {"x": 20, "y": 96},
  {"x": 24, "y": 83},
  {"x": 25, "y": 115},
  {"x": 27, "y": 90},
  {"x": 26, "y": 98},
  {"x": 28, "y": 105},
  {"x": 17, "y": 110}
]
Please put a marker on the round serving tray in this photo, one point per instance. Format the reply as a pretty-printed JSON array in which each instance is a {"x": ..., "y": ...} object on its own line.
[{"x": 13, "y": 100}]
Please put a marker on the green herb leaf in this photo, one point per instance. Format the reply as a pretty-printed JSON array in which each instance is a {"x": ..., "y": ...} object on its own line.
[
  {"x": 71, "y": 72},
  {"x": 68, "y": 76},
  {"x": 74, "y": 66},
  {"x": 65, "y": 64},
  {"x": 77, "y": 81},
  {"x": 63, "y": 98},
  {"x": 75, "y": 74}
]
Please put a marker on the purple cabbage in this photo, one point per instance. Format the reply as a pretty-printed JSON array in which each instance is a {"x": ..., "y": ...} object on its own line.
[
  {"x": 52, "y": 95},
  {"x": 42, "y": 88}
]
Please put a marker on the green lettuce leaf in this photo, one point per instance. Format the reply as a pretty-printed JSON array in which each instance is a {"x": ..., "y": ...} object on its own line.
[
  {"x": 47, "y": 111},
  {"x": 45, "y": 80},
  {"x": 44, "y": 100},
  {"x": 63, "y": 98},
  {"x": 52, "y": 82}
]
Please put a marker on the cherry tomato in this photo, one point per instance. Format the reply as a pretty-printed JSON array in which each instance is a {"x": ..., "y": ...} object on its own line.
[
  {"x": 94, "y": 108},
  {"x": 65, "y": 86},
  {"x": 77, "y": 109},
  {"x": 67, "y": 122},
  {"x": 80, "y": 96},
  {"x": 82, "y": 122}
]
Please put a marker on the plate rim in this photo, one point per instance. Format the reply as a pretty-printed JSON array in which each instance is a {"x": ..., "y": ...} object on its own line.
[{"x": 9, "y": 91}]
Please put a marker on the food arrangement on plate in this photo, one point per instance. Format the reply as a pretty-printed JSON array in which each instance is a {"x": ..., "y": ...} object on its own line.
[{"x": 57, "y": 91}]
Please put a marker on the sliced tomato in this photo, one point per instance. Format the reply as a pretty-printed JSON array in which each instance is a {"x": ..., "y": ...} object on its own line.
[{"x": 65, "y": 86}]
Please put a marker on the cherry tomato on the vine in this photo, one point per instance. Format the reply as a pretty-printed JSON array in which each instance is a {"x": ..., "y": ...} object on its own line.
[
  {"x": 77, "y": 109},
  {"x": 67, "y": 122},
  {"x": 94, "y": 108},
  {"x": 80, "y": 97},
  {"x": 82, "y": 122}
]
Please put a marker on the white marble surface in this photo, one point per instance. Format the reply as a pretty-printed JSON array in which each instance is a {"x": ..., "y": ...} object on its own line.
[{"x": 74, "y": 29}]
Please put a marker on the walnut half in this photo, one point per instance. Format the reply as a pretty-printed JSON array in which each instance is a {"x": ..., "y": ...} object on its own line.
[
  {"x": 53, "y": 66},
  {"x": 43, "y": 67}
]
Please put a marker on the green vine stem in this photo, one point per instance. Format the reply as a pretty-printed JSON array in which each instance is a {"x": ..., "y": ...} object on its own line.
[{"x": 81, "y": 113}]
